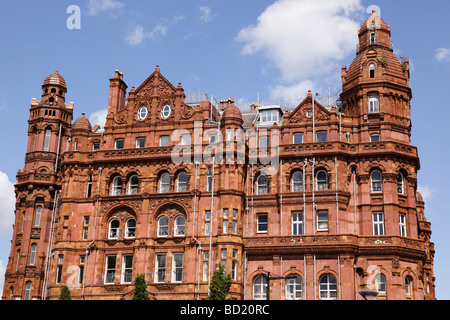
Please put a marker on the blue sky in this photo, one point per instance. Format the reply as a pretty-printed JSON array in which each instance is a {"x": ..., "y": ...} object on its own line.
[{"x": 276, "y": 50}]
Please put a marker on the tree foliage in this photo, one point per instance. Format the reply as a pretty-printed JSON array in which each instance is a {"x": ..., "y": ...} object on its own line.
[
  {"x": 140, "y": 289},
  {"x": 65, "y": 293},
  {"x": 220, "y": 284}
]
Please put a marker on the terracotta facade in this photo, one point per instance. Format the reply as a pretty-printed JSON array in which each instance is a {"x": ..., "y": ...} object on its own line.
[{"x": 327, "y": 210}]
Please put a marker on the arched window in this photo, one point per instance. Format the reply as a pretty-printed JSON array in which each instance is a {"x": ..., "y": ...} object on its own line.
[
  {"x": 297, "y": 182},
  {"x": 163, "y": 227},
  {"x": 182, "y": 180},
  {"x": 164, "y": 183},
  {"x": 33, "y": 254},
  {"x": 261, "y": 185},
  {"x": 133, "y": 185},
  {"x": 116, "y": 186},
  {"x": 27, "y": 295},
  {"x": 380, "y": 282},
  {"x": 400, "y": 185},
  {"x": 48, "y": 133},
  {"x": 408, "y": 286},
  {"x": 376, "y": 182},
  {"x": 37, "y": 217},
  {"x": 328, "y": 287},
  {"x": 130, "y": 228},
  {"x": 180, "y": 226},
  {"x": 260, "y": 288},
  {"x": 321, "y": 180},
  {"x": 372, "y": 71},
  {"x": 113, "y": 232},
  {"x": 294, "y": 288}
]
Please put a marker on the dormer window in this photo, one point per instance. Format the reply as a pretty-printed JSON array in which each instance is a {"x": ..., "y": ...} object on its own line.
[
  {"x": 373, "y": 38},
  {"x": 269, "y": 116},
  {"x": 372, "y": 71}
]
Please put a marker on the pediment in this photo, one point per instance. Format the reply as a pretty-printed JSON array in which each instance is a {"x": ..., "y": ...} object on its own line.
[
  {"x": 155, "y": 85},
  {"x": 303, "y": 112}
]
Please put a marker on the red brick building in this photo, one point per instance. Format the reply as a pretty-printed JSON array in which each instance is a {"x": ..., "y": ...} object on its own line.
[{"x": 315, "y": 202}]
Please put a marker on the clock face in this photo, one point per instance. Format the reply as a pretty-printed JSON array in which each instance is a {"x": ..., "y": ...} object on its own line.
[
  {"x": 166, "y": 110},
  {"x": 142, "y": 112}
]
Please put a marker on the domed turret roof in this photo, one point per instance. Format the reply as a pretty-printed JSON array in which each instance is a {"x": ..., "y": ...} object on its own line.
[
  {"x": 82, "y": 123},
  {"x": 55, "y": 79},
  {"x": 374, "y": 21},
  {"x": 232, "y": 111}
]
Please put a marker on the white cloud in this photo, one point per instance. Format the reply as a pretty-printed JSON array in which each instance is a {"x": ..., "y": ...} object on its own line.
[
  {"x": 425, "y": 191},
  {"x": 442, "y": 54},
  {"x": 98, "y": 117},
  {"x": 305, "y": 39},
  {"x": 97, "y": 6},
  {"x": 7, "y": 203},
  {"x": 206, "y": 14},
  {"x": 139, "y": 34}
]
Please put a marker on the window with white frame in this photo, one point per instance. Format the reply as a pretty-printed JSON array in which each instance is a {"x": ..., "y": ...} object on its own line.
[
  {"x": 297, "y": 138},
  {"x": 127, "y": 269},
  {"x": 402, "y": 224},
  {"x": 223, "y": 259},
  {"x": 207, "y": 222},
  {"x": 264, "y": 142},
  {"x": 85, "y": 227},
  {"x": 37, "y": 217},
  {"x": 119, "y": 144},
  {"x": 110, "y": 269},
  {"x": 372, "y": 71},
  {"x": 297, "y": 182},
  {"x": 269, "y": 116},
  {"x": 48, "y": 133},
  {"x": 140, "y": 142},
  {"x": 234, "y": 223},
  {"x": 225, "y": 221},
  {"x": 321, "y": 136},
  {"x": 182, "y": 181},
  {"x": 321, "y": 180},
  {"x": 177, "y": 267},
  {"x": 376, "y": 182},
  {"x": 160, "y": 267},
  {"x": 400, "y": 184},
  {"x": 180, "y": 226},
  {"x": 408, "y": 286},
  {"x": 260, "y": 287},
  {"x": 322, "y": 220},
  {"x": 95, "y": 146},
  {"x": 163, "y": 227},
  {"x": 130, "y": 228},
  {"x": 261, "y": 184},
  {"x": 113, "y": 232},
  {"x": 59, "y": 268},
  {"x": 116, "y": 186},
  {"x": 378, "y": 223},
  {"x": 297, "y": 223},
  {"x": 380, "y": 280},
  {"x": 186, "y": 139},
  {"x": 27, "y": 295},
  {"x": 261, "y": 226},
  {"x": 33, "y": 254},
  {"x": 205, "y": 265},
  {"x": 208, "y": 180},
  {"x": 81, "y": 269},
  {"x": 234, "y": 265},
  {"x": 133, "y": 185},
  {"x": 374, "y": 104},
  {"x": 294, "y": 288},
  {"x": 328, "y": 287},
  {"x": 164, "y": 183},
  {"x": 89, "y": 187},
  {"x": 164, "y": 141}
]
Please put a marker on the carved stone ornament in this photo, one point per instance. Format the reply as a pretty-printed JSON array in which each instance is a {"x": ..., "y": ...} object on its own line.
[{"x": 187, "y": 112}]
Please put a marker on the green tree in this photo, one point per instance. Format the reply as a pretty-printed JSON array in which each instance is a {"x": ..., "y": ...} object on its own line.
[
  {"x": 140, "y": 289},
  {"x": 65, "y": 293},
  {"x": 220, "y": 284}
]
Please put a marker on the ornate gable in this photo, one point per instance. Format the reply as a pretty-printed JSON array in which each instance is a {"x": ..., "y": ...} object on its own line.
[
  {"x": 303, "y": 112},
  {"x": 155, "y": 85}
]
